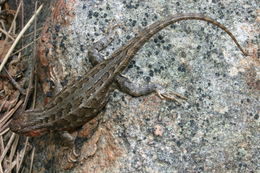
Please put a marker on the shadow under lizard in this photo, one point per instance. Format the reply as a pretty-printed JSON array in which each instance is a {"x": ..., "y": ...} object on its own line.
[{"x": 81, "y": 101}]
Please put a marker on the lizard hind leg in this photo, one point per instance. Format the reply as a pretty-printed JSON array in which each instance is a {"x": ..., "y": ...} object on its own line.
[
  {"x": 135, "y": 90},
  {"x": 70, "y": 140}
]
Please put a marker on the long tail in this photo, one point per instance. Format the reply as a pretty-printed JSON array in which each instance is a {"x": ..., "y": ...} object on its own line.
[{"x": 148, "y": 32}]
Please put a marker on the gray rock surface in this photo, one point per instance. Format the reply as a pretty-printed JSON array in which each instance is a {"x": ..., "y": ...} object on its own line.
[{"x": 216, "y": 130}]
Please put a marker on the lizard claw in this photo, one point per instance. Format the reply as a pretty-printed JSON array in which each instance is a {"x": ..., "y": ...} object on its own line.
[
  {"x": 111, "y": 28},
  {"x": 171, "y": 96},
  {"x": 73, "y": 155},
  {"x": 71, "y": 159},
  {"x": 74, "y": 152}
]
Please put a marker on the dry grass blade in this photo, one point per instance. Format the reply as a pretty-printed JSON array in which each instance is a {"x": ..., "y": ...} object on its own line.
[
  {"x": 1, "y": 144},
  {"x": 1, "y": 169},
  {"x": 32, "y": 157},
  {"x": 14, "y": 83},
  {"x": 18, "y": 166},
  {"x": 15, "y": 16},
  {"x": 7, "y": 34},
  {"x": 2, "y": 25},
  {"x": 29, "y": 34},
  {"x": 4, "y": 102},
  {"x": 11, "y": 167},
  {"x": 19, "y": 37},
  {"x": 2, "y": 149},
  {"x": 4, "y": 132},
  {"x": 12, "y": 153},
  {"x": 35, "y": 92},
  {"x": 3, "y": 121},
  {"x": 14, "y": 146},
  {"x": 7, "y": 147},
  {"x": 24, "y": 47}
]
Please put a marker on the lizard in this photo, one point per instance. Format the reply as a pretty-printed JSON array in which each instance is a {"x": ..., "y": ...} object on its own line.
[{"x": 84, "y": 99}]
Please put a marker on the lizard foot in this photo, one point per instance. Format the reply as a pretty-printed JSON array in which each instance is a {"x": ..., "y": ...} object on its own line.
[
  {"x": 73, "y": 156},
  {"x": 171, "y": 96},
  {"x": 113, "y": 26}
]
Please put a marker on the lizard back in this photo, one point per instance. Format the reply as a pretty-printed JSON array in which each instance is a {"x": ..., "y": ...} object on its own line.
[{"x": 83, "y": 100}]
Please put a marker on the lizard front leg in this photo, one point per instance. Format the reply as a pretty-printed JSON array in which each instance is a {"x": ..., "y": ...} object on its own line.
[
  {"x": 68, "y": 140},
  {"x": 94, "y": 54},
  {"x": 136, "y": 90}
]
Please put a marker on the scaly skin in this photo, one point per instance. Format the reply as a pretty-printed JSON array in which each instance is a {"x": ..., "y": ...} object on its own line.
[{"x": 80, "y": 102}]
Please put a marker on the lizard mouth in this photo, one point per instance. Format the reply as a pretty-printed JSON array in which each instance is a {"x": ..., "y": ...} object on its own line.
[{"x": 36, "y": 132}]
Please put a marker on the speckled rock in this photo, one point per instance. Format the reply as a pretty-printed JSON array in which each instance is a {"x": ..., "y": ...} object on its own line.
[{"x": 216, "y": 130}]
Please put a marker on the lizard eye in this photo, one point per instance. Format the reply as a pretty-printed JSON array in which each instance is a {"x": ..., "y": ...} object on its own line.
[{"x": 15, "y": 126}]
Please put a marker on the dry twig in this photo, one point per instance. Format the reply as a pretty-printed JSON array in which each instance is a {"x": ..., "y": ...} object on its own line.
[
  {"x": 14, "y": 83},
  {"x": 19, "y": 37}
]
